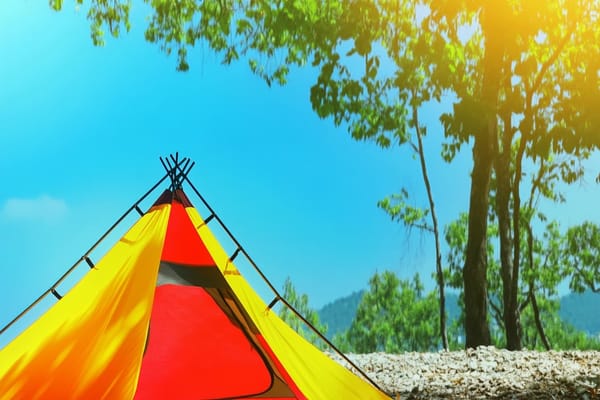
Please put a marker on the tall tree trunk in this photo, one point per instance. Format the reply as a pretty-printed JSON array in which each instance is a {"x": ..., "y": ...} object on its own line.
[
  {"x": 510, "y": 289},
  {"x": 436, "y": 231},
  {"x": 475, "y": 270},
  {"x": 474, "y": 273}
]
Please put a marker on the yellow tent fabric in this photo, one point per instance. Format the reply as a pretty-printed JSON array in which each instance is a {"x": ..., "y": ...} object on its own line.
[
  {"x": 315, "y": 374},
  {"x": 89, "y": 345}
]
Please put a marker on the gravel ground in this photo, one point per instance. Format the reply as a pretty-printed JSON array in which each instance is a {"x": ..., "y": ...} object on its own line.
[{"x": 485, "y": 373}]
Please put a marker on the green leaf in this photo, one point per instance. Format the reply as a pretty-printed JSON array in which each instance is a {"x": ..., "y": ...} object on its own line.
[{"x": 56, "y": 5}]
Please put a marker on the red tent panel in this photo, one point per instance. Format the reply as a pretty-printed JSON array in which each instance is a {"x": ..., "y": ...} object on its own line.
[
  {"x": 196, "y": 352},
  {"x": 182, "y": 243}
]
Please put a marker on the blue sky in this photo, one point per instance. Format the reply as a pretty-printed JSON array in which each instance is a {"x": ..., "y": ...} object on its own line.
[{"x": 82, "y": 128}]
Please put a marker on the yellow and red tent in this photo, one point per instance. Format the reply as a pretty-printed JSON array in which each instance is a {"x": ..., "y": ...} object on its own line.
[{"x": 165, "y": 314}]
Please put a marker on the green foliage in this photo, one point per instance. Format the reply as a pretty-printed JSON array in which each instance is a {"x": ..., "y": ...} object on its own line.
[
  {"x": 557, "y": 257},
  {"x": 339, "y": 315},
  {"x": 300, "y": 303},
  {"x": 455, "y": 234},
  {"x": 582, "y": 257},
  {"x": 549, "y": 51},
  {"x": 394, "y": 315},
  {"x": 110, "y": 14},
  {"x": 551, "y": 268},
  {"x": 576, "y": 325},
  {"x": 398, "y": 209},
  {"x": 341, "y": 341}
]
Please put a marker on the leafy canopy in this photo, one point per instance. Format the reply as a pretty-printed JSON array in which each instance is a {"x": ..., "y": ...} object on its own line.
[{"x": 393, "y": 316}]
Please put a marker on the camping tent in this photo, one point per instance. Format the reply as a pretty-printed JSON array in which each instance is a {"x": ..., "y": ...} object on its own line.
[{"x": 165, "y": 314}]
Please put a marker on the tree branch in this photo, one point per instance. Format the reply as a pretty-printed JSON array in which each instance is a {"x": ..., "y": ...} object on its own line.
[
  {"x": 536, "y": 184},
  {"x": 590, "y": 283},
  {"x": 538, "y": 79},
  {"x": 423, "y": 227}
]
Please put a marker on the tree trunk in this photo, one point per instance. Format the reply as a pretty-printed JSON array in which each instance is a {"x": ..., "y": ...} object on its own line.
[
  {"x": 510, "y": 313},
  {"x": 474, "y": 274},
  {"x": 538, "y": 320},
  {"x": 475, "y": 270},
  {"x": 510, "y": 289}
]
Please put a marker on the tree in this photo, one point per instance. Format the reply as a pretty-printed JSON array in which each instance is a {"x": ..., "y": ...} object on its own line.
[
  {"x": 529, "y": 90},
  {"x": 534, "y": 86},
  {"x": 546, "y": 262},
  {"x": 572, "y": 257},
  {"x": 533, "y": 121},
  {"x": 561, "y": 335},
  {"x": 581, "y": 257},
  {"x": 393, "y": 316},
  {"x": 300, "y": 303},
  {"x": 399, "y": 210}
]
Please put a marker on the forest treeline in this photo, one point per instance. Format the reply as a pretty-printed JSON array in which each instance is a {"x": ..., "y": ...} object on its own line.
[
  {"x": 574, "y": 325},
  {"x": 577, "y": 309},
  {"x": 396, "y": 315}
]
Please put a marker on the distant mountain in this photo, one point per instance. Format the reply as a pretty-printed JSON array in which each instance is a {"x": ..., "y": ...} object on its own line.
[
  {"x": 580, "y": 310},
  {"x": 452, "y": 307},
  {"x": 338, "y": 314}
]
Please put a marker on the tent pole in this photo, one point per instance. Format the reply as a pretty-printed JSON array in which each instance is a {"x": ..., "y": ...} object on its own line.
[
  {"x": 276, "y": 292},
  {"x": 83, "y": 258}
]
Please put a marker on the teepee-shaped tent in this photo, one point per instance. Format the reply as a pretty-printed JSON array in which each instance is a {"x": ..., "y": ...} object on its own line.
[{"x": 165, "y": 314}]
